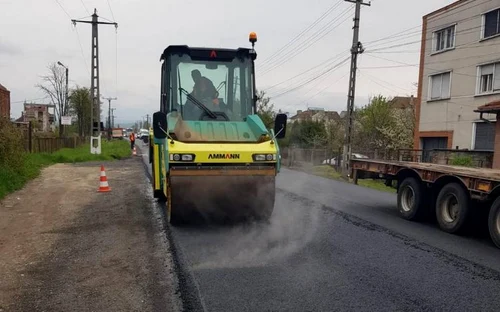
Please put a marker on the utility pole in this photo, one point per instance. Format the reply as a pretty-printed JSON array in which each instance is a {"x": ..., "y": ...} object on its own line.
[
  {"x": 147, "y": 121},
  {"x": 357, "y": 48},
  {"x": 113, "y": 117},
  {"x": 109, "y": 115},
  {"x": 95, "y": 145}
]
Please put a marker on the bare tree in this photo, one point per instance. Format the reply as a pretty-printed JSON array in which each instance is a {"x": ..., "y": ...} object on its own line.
[{"x": 54, "y": 85}]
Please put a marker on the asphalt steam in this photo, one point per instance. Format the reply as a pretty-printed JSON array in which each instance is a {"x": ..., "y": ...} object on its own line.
[{"x": 291, "y": 227}]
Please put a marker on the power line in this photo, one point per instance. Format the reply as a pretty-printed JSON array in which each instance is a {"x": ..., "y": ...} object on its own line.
[
  {"x": 85, "y": 7},
  {"x": 397, "y": 52},
  {"x": 402, "y": 33},
  {"x": 111, "y": 10},
  {"x": 312, "y": 79},
  {"x": 441, "y": 62},
  {"x": 81, "y": 49},
  {"x": 386, "y": 67},
  {"x": 460, "y": 32},
  {"x": 319, "y": 92},
  {"x": 381, "y": 82},
  {"x": 31, "y": 100},
  {"x": 77, "y": 34},
  {"x": 458, "y": 47},
  {"x": 318, "y": 35},
  {"x": 454, "y": 12},
  {"x": 322, "y": 64},
  {"x": 319, "y": 82},
  {"x": 319, "y": 19},
  {"x": 66, "y": 12}
]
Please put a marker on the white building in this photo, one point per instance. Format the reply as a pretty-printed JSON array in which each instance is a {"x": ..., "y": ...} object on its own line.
[{"x": 459, "y": 71}]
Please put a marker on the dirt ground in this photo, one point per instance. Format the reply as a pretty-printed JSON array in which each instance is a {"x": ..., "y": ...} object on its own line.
[{"x": 66, "y": 247}]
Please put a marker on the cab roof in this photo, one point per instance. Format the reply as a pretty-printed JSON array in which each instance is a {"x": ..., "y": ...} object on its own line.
[{"x": 197, "y": 53}]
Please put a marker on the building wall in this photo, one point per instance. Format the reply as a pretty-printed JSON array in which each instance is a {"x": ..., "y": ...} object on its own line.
[
  {"x": 457, "y": 112},
  {"x": 4, "y": 103},
  {"x": 39, "y": 113}
]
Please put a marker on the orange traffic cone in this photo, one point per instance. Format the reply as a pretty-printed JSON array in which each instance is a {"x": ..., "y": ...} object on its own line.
[
  {"x": 134, "y": 152},
  {"x": 103, "y": 184}
]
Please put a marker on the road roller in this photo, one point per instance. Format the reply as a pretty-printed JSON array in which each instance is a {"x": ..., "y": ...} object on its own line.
[{"x": 211, "y": 154}]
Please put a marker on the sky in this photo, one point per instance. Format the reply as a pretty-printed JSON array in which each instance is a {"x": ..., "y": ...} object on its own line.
[{"x": 303, "y": 58}]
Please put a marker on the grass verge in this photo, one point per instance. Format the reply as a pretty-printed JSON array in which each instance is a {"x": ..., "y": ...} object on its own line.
[
  {"x": 13, "y": 179},
  {"x": 331, "y": 173}
]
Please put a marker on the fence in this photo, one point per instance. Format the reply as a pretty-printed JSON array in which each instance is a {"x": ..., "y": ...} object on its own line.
[
  {"x": 35, "y": 144},
  {"x": 297, "y": 157},
  {"x": 27, "y": 133},
  {"x": 51, "y": 145}
]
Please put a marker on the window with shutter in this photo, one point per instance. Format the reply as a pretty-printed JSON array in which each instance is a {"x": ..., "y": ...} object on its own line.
[
  {"x": 488, "y": 78},
  {"x": 440, "y": 86}
]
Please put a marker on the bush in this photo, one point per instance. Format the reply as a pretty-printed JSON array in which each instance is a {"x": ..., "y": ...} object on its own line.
[
  {"x": 11, "y": 145},
  {"x": 463, "y": 161},
  {"x": 20, "y": 167}
]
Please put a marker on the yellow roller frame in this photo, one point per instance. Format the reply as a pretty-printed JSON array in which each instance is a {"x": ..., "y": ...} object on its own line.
[{"x": 156, "y": 160}]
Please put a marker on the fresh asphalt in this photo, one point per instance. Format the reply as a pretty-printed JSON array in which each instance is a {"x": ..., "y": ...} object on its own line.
[{"x": 333, "y": 246}]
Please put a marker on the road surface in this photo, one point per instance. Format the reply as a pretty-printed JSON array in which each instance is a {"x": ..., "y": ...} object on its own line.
[{"x": 335, "y": 246}]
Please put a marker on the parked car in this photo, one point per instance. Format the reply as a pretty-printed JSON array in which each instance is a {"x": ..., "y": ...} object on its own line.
[
  {"x": 333, "y": 161},
  {"x": 144, "y": 135}
]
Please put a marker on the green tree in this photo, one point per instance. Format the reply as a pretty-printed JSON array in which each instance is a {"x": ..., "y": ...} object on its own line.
[
  {"x": 378, "y": 125},
  {"x": 80, "y": 107},
  {"x": 335, "y": 131},
  {"x": 308, "y": 134},
  {"x": 265, "y": 109},
  {"x": 400, "y": 134},
  {"x": 371, "y": 119}
]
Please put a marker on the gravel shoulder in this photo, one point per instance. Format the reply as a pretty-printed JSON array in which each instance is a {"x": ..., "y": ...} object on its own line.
[{"x": 66, "y": 247}]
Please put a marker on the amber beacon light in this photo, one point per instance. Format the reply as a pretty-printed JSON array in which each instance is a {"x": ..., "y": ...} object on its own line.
[{"x": 252, "y": 37}]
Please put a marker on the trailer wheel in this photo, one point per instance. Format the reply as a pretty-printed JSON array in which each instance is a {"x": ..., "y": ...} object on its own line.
[
  {"x": 411, "y": 200},
  {"x": 494, "y": 222},
  {"x": 452, "y": 208}
]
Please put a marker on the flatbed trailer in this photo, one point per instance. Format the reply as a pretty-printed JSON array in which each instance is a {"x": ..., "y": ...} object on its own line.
[{"x": 455, "y": 195}]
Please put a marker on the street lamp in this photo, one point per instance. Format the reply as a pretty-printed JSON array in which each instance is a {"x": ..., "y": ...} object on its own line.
[{"x": 67, "y": 91}]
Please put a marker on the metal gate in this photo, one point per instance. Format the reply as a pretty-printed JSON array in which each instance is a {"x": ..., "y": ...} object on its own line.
[
  {"x": 429, "y": 144},
  {"x": 485, "y": 136}
]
